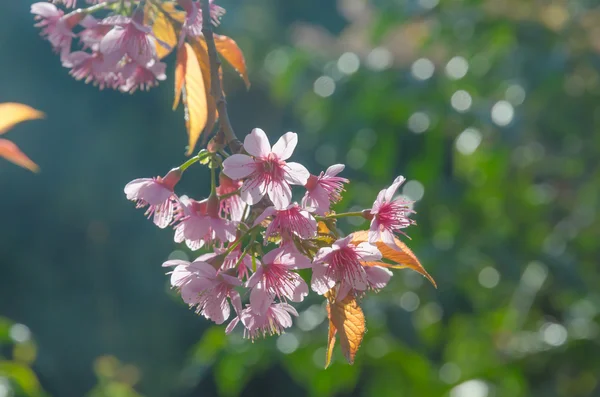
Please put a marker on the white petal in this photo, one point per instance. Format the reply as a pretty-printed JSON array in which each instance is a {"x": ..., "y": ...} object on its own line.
[
  {"x": 368, "y": 252},
  {"x": 257, "y": 144},
  {"x": 296, "y": 174},
  {"x": 238, "y": 166},
  {"x": 280, "y": 194},
  {"x": 335, "y": 169},
  {"x": 285, "y": 146}
]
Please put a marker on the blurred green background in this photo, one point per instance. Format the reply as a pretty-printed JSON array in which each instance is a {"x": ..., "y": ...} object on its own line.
[{"x": 490, "y": 108}]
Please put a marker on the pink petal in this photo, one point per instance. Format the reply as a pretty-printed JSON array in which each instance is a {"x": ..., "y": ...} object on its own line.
[
  {"x": 341, "y": 243},
  {"x": 255, "y": 278},
  {"x": 46, "y": 10},
  {"x": 374, "y": 235},
  {"x": 285, "y": 146},
  {"x": 260, "y": 299},
  {"x": 217, "y": 308},
  {"x": 253, "y": 191},
  {"x": 112, "y": 42},
  {"x": 269, "y": 211},
  {"x": 343, "y": 290},
  {"x": 296, "y": 174},
  {"x": 238, "y": 166},
  {"x": 390, "y": 191},
  {"x": 132, "y": 189},
  {"x": 299, "y": 292},
  {"x": 317, "y": 199},
  {"x": 320, "y": 282},
  {"x": 368, "y": 252},
  {"x": 257, "y": 144},
  {"x": 322, "y": 254},
  {"x": 388, "y": 238},
  {"x": 378, "y": 276},
  {"x": 280, "y": 194},
  {"x": 163, "y": 214},
  {"x": 335, "y": 169},
  {"x": 175, "y": 262}
]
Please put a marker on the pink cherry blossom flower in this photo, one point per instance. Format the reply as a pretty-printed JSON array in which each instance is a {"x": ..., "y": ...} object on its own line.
[
  {"x": 324, "y": 190},
  {"x": 157, "y": 194},
  {"x": 203, "y": 287},
  {"x": 389, "y": 216},
  {"x": 377, "y": 278},
  {"x": 192, "y": 26},
  {"x": 129, "y": 36},
  {"x": 275, "y": 278},
  {"x": 232, "y": 206},
  {"x": 268, "y": 172},
  {"x": 291, "y": 220},
  {"x": 93, "y": 32},
  {"x": 86, "y": 66},
  {"x": 273, "y": 321},
  {"x": 231, "y": 260},
  {"x": 199, "y": 224},
  {"x": 341, "y": 263},
  {"x": 142, "y": 77},
  {"x": 56, "y": 27}
]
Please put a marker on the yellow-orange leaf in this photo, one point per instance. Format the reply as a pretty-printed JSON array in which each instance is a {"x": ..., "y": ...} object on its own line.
[
  {"x": 403, "y": 259},
  {"x": 164, "y": 31},
  {"x": 194, "y": 98},
  {"x": 229, "y": 50},
  {"x": 179, "y": 74},
  {"x": 169, "y": 7},
  {"x": 14, "y": 113},
  {"x": 330, "y": 339},
  {"x": 349, "y": 321},
  {"x": 12, "y": 153},
  {"x": 201, "y": 52}
]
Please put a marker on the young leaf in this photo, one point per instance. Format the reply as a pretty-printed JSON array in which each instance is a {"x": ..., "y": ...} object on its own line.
[
  {"x": 14, "y": 113},
  {"x": 403, "y": 259},
  {"x": 201, "y": 52},
  {"x": 349, "y": 320},
  {"x": 180, "y": 65},
  {"x": 229, "y": 50},
  {"x": 194, "y": 98},
  {"x": 12, "y": 153},
  {"x": 164, "y": 31},
  {"x": 330, "y": 339}
]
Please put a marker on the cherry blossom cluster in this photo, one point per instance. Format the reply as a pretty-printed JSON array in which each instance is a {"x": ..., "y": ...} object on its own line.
[
  {"x": 116, "y": 47},
  {"x": 256, "y": 239}
]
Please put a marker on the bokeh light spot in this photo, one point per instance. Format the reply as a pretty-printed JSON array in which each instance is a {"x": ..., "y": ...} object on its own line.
[
  {"x": 461, "y": 101},
  {"x": 468, "y": 141},
  {"x": 418, "y": 122},
  {"x": 324, "y": 86},
  {"x": 502, "y": 113},
  {"x": 422, "y": 69},
  {"x": 348, "y": 63},
  {"x": 457, "y": 68}
]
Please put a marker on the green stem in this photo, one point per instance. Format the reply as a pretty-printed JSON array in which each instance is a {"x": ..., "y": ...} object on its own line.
[
  {"x": 341, "y": 215},
  {"x": 227, "y": 195},
  {"x": 185, "y": 165},
  {"x": 213, "y": 181},
  {"x": 223, "y": 153}
]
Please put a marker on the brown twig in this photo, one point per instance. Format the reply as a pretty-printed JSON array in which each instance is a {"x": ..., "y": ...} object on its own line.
[{"x": 215, "y": 82}]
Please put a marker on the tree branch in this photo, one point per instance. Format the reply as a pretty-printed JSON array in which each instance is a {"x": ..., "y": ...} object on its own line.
[{"x": 216, "y": 90}]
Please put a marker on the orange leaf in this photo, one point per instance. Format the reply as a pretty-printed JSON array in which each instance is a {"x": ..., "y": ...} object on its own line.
[
  {"x": 349, "y": 320},
  {"x": 201, "y": 52},
  {"x": 179, "y": 75},
  {"x": 169, "y": 7},
  {"x": 194, "y": 98},
  {"x": 14, "y": 113},
  {"x": 330, "y": 339},
  {"x": 164, "y": 31},
  {"x": 12, "y": 153},
  {"x": 229, "y": 50},
  {"x": 403, "y": 259}
]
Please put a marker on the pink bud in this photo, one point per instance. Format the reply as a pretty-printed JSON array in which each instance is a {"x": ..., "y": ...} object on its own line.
[{"x": 171, "y": 179}]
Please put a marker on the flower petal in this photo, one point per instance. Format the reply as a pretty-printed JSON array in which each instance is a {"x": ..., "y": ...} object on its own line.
[
  {"x": 335, "y": 169},
  {"x": 260, "y": 299},
  {"x": 368, "y": 252},
  {"x": 280, "y": 194},
  {"x": 285, "y": 146},
  {"x": 296, "y": 174},
  {"x": 257, "y": 144},
  {"x": 238, "y": 166},
  {"x": 320, "y": 282},
  {"x": 390, "y": 191},
  {"x": 253, "y": 191}
]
